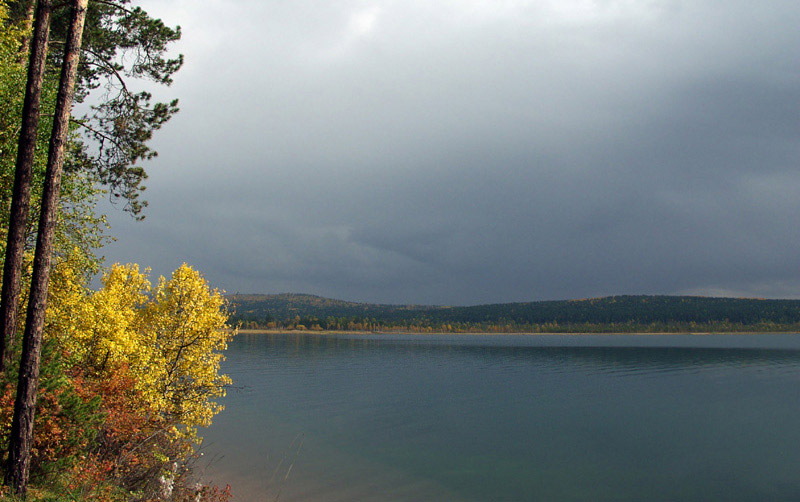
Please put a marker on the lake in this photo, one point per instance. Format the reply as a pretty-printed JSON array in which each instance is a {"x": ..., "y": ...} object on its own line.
[{"x": 509, "y": 418}]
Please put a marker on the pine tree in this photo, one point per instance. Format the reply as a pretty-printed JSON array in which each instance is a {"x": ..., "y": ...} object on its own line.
[
  {"x": 20, "y": 202},
  {"x": 25, "y": 404}
]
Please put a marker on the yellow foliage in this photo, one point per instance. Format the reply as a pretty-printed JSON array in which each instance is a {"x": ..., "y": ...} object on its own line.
[
  {"x": 170, "y": 337},
  {"x": 185, "y": 322}
]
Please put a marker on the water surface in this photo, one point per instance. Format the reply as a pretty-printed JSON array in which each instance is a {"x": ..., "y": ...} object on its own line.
[{"x": 516, "y": 417}]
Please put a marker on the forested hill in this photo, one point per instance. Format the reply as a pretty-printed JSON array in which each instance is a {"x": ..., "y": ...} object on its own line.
[
  {"x": 287, "y": 306},
  {"x": 619, "y": 313}
]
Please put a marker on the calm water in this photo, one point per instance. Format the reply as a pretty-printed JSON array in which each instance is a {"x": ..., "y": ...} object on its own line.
[{"x": 510, "y": 418}]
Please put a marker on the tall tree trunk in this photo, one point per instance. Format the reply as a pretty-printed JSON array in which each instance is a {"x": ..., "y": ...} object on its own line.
[
  {"x": 15, "y": 244},
  {"x": 26, "y": 39},
  {"x": 21, "y": 438}
]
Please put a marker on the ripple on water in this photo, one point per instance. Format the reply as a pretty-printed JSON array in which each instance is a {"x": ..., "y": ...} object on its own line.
[{"x": 506, "y": 418}]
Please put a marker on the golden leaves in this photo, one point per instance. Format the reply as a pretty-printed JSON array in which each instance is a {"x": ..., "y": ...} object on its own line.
[{"x": 170, "y": 336}]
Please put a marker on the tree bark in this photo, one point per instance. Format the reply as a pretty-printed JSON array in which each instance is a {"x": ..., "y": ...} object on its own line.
[
  {"x": 20, "y": 202},
  {"x": 21, "y": 438},
  {"x": 26, "y": 39}
]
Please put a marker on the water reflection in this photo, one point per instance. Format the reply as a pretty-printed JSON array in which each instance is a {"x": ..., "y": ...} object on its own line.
[
  {"x": 590, "y": 354},
  {"x": 514, "y": 417}
]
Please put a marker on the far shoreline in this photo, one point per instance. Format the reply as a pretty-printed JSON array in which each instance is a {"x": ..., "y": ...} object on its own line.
[{"x": 505, "y": 333}]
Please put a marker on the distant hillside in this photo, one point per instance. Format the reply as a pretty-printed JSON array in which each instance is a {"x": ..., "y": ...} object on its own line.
[
  {"x": 660, "y": 313},
  {"x": 288, "y": 305}
]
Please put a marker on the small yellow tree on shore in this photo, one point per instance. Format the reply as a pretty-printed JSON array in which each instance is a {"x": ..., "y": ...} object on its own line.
[
  {"x": 170, "y": 337},
  {"x": 185, "y": 323}
]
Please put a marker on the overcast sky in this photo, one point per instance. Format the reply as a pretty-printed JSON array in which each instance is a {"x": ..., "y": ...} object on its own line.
[{"x": 479, "y": 151}]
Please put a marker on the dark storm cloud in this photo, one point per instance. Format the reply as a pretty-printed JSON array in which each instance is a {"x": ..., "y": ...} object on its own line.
[{"x": 465, "y": 152}]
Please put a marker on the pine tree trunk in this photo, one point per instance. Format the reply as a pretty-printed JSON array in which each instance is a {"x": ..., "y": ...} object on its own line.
[
  {"x": 26, "y": 39},
  {"x": 21, "y": 438},
  {"x": 9, "y": 297}
]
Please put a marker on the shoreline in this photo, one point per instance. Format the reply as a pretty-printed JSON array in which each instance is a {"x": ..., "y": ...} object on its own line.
[{"x": 505, "y": 333}]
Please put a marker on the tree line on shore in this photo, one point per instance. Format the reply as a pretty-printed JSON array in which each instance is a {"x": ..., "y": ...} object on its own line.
[{"x": 615, "y": 314}]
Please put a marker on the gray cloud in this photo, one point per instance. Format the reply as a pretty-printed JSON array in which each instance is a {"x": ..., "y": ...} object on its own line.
[{"x": 472, "y": 151}]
